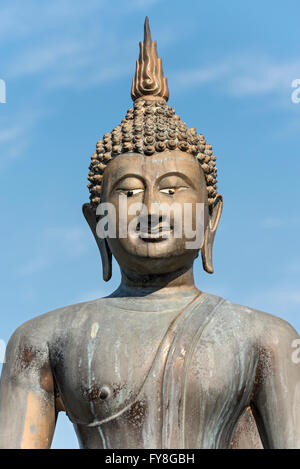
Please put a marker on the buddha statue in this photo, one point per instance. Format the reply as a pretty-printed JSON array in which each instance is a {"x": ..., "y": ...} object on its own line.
[{"x": 158, "y": 363}]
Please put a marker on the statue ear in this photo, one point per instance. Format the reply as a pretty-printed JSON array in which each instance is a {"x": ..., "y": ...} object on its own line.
[
  {"x": 209, "y": 235},
  {"x": 106, "y": 256}
]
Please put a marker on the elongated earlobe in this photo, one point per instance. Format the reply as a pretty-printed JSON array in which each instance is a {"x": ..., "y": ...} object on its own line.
[
  {"x": 106, "y": 256},
  {"x": 206, "y": 254},
  {"x": 209, "y": 235}
]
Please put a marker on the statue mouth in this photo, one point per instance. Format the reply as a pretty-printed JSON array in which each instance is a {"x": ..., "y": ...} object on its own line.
[
  {"x": 155, "y": 237},
  {"x": 156, "y": 233}
]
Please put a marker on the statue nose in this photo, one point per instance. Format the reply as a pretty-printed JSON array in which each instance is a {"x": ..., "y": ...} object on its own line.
[
  {"x": 150, "y": 201},
  {"x": 149, "y": 221}
]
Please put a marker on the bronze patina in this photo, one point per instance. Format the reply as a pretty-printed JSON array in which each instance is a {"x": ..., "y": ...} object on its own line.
[{"x": 158, "y": 363}]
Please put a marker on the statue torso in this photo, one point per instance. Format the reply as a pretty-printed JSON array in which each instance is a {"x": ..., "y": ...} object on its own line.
[
  {"x": 113, "y": 349},
  {"x": 109, "y": 362}
]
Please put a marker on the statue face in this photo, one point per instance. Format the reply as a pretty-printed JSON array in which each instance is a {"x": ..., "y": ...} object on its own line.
[{"x": 158, "y": 182}]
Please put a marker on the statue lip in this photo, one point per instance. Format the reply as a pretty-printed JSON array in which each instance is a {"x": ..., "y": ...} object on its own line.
[
  {"x": 154, "y": 239},
  {"x": 156, "y": 233}
]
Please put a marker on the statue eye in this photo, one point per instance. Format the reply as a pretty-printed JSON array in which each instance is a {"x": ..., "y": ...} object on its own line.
[
  {"x": 131, "y": 192},
  {"x": 169, "y": 191}
]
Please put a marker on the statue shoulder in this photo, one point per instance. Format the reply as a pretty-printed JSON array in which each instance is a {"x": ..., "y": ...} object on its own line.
[
  {"x": 45, "y": 328},
  {"x": 258, "y": 324}
]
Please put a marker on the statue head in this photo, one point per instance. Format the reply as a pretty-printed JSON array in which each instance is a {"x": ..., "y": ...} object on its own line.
[{"x": 154, "y": 160}]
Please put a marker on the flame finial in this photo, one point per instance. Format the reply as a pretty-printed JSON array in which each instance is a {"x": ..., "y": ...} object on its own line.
[{"x": 149, "y": 80}]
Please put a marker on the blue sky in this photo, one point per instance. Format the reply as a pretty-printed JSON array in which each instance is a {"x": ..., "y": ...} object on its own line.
[{"x": 68, "y": 67}]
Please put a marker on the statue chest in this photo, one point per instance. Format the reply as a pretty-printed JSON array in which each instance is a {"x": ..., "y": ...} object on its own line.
[
  {"x": 101, "y": 368},
  {"x": 118, "y": 370}
]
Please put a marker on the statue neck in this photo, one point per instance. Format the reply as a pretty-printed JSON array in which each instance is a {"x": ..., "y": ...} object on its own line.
[{"x": 175, "y": 283}]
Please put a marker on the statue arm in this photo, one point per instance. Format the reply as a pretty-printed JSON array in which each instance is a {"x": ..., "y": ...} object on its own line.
[
  {"x": 27, "y": 403},
  {"x": 276, "y": 399}
]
